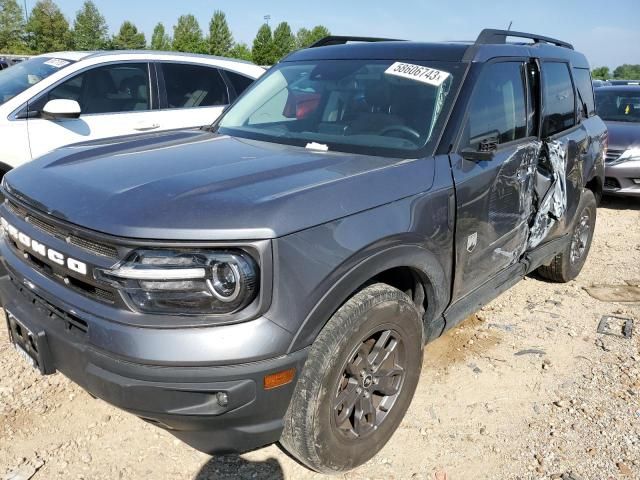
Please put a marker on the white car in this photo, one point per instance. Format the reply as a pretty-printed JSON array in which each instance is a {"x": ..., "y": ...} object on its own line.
[{"x": 62, "y": 98}]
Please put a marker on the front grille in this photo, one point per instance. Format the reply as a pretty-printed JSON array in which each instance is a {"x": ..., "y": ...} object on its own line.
[
  {"x": 611, "y": 183},
  {"x": 88, "y": 245},
  {"x": 612, "y": 155}
]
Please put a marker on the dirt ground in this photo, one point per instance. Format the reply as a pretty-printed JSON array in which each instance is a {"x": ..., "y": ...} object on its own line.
[{"x": 525, "y": 389}]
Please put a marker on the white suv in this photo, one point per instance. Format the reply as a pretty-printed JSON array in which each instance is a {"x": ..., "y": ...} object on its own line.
[{"x": 62, "y": 98}]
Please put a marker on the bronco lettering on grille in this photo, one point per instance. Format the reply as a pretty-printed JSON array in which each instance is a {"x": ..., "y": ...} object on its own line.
[{"x": 42, "y": 250}]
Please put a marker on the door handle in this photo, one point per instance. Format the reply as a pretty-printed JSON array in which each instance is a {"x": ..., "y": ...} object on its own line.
[{"x": 146, "y": 128}]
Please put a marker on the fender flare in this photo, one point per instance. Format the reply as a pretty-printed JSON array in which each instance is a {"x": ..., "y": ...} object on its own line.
[{"x": 432, "y": 276}]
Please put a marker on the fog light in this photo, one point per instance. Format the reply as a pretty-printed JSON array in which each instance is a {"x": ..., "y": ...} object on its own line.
[
  {"x": 279, "y": 379},
  {"x": 636, "y": 181},
  {"x": 222, "y": 398}
]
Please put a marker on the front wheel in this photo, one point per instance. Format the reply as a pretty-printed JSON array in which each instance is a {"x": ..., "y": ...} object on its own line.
[
  {"x": 566, "y": 265},
  {"x": 357, "y": 383}
]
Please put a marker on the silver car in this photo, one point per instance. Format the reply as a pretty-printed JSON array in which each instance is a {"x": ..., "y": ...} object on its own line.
[{"x": 619, "y": 107}]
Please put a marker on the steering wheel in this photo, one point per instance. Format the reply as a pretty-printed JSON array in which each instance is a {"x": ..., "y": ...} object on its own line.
[{"x": 402, "y": 129}]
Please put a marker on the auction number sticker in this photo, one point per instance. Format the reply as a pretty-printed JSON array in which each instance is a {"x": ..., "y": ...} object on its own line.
[
  {"x": 427, "y": 75},
  {"x": 57, "y": 63}
]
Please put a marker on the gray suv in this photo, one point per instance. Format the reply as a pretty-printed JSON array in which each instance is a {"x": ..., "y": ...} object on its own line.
[{"x": 275, "y": 276}]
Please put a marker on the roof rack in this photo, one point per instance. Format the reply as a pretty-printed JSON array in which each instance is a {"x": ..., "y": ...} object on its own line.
[
  {"x": 341, "y": 40},
  {"x": 491, "y": 36}
]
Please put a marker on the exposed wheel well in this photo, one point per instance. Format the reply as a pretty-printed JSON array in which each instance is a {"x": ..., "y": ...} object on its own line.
[
  {"x": 408, "y": 280},
  {"x": 595, "y": 185}
]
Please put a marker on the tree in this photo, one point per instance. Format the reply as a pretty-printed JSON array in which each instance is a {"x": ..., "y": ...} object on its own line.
[
  {"x": 129, "y": 38},
  {"x": 11, "y": 27},
  {"x": 601, "y": 73},
  {"x": 627, "y": 72},
  {"x": 47, "y": 28},
  {"x": 220, "y": 38},
  {"x": 187, "y": 35},
  {"x": 160, "y": 40},
  {"x": 241, "y": 51},
  {"x": 90, "y": 31},
  {"x": 262, "y": 51},
  {"x": 305, "y": 37},
  {"x": 283, "y": 41}
]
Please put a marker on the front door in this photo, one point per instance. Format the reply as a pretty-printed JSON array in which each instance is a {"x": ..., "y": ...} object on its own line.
[
  {"x": 493, "y": 169},
  {"x": 114, "y": 99}
]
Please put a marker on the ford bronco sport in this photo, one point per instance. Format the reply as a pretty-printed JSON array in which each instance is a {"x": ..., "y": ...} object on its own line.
[{"x": 275, "y": 277}]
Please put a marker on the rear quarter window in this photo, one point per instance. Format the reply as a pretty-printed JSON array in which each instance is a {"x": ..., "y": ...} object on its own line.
[
  {"x": 582, "y": 77},
  {"x": 239, "y": 82}
]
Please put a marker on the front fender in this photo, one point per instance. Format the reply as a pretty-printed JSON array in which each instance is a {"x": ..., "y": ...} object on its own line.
[{"x": 318, "y": 269}]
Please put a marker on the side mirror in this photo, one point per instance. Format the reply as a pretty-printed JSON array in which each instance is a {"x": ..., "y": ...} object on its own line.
[
  {"x": 61, "y": 109},
  {"x": 485, "y": 151}
]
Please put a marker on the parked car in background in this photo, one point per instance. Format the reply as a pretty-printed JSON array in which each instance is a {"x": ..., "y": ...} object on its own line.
[
  {"x": 68, "y": 97},
  {"x": 4, "y": 63},
  {"x": 600, "y": 83},
  {"x": 623, "y": 82},
  {"x": 619, "y": 107}
]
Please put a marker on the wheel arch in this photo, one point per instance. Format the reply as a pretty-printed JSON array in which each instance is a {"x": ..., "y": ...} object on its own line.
[{"x": 410, "y": 268}]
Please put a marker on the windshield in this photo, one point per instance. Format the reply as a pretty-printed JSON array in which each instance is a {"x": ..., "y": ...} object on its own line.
[
  {"x": 23, "y": 75},
  {"x": 377, "y": 107},
  {"x": 618, "y": 105}
]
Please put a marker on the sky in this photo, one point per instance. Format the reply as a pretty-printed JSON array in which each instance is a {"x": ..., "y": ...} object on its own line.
[{"x": 605, "y": 31}]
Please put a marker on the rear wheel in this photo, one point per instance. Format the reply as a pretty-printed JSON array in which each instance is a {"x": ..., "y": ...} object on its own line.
[
  {"x": 358, "y": 381},
  {"x": 567, "y": 264}
]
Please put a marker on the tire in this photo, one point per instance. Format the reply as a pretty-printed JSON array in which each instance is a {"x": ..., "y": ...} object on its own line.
[
  {"x": 326, "y": 426},
  {"x": 566, "y": 265}
]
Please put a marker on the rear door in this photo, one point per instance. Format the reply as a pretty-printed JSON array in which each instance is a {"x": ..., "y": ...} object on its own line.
[
  {"x": 493, "y": 171},
  {"x": 115, "y": 99},
  {"x": 190, "y": 95},
  {"x": 565, "y": 147}
]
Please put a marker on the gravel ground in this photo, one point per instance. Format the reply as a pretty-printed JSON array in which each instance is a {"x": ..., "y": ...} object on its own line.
[{"x": 525, "y": 389}]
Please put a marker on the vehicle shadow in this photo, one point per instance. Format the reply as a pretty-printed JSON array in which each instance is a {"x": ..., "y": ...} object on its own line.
[
  {"x": 233, "y": 467},
  {"x": 620, "y": 203}
]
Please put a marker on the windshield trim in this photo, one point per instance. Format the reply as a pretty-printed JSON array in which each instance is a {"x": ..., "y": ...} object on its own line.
[{"x": 429, "y": 149}]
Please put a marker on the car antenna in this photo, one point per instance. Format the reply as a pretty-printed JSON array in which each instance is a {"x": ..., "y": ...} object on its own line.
[{"x": 509, "y": 27}]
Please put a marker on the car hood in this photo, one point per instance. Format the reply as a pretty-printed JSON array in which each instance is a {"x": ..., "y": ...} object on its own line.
[
  {"x": 623, "y": 135},
  {"x": 197, "y": 185}
]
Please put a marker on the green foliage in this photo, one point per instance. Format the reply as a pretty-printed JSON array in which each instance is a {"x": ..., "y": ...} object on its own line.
[
  {"x": 187, "y": 35},
  {"x": 627, "y": 72},
  {"x": 129, "y": 38},
  {"x": 220, "y": 39},
  {"x": 90, "y": 31},
  {"x": 306, "y": 37},
  {"x": 283, "y": 41},
  {"x": 601, "y": 73},
  {"x": 11, "y": 27},
  {"x": 47, "y": 28},
  {"x": 160, "y": 40},
  {"x": 262, "y": 51},
  {"x": 241, "y": 51}
]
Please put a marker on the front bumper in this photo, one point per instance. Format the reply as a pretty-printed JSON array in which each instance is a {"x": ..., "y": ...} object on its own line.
[
  {"x": 180, "y": 398},
  {"x": 619, "y": 178}
]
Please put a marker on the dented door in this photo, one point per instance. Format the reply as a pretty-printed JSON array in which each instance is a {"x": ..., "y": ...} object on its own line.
[{"x": 494, "y": 190}]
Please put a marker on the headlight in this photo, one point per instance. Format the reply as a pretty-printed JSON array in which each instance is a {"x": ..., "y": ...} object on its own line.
[
  {"x": 185, "y": 282},
  {"x": 630, "y": 154}
]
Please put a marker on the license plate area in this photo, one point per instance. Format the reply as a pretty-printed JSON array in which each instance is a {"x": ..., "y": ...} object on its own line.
[{"x": 31, "y": 345}]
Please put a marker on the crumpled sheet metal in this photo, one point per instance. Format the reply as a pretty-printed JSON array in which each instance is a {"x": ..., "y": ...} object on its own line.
[{"x": 554, "y": 204}]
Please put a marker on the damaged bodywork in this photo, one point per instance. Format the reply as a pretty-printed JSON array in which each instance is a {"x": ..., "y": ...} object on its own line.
[{"x": 550, "y": 188}]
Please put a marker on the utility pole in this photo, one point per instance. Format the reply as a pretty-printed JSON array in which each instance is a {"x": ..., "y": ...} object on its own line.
[{"x": 266, "y": 18}]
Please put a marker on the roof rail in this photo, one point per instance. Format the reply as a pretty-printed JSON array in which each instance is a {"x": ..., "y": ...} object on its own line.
[
  {"x": 491, "y": 36},
  {"x": 341, "y": 40}
]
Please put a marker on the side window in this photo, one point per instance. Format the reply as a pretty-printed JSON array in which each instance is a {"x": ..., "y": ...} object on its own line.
[
  {"x": 191, "y": 86},
  {"x": 558, "y": 98},
  {"x": 240, "y": 82},
  {"x": 109, "y": 89},
  {"x": 582, "y": 77},
  {"x": 498, "y": 111}
]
